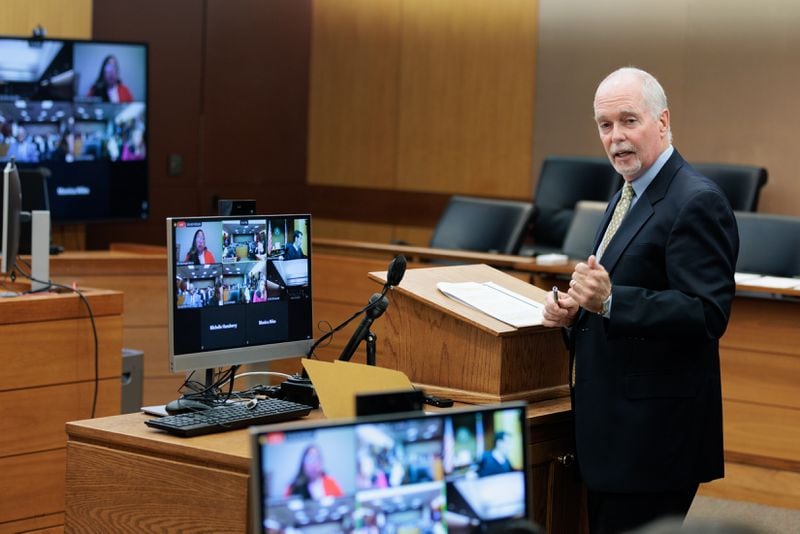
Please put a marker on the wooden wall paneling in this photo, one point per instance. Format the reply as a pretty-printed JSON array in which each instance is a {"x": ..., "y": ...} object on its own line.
[
  {"x": 371, "y": 232},
  {"x": 59, "y": 18},
  {"x": 353, "y": 99},
  {"x": 467, "y": 87},
  {"x": 153, "y": 341},
  {"x": 255, "y": 101},
  {"x": 143, "y": 280},
  {"x": 342, "y": 279},
  {"x": 48, "y": 349},
  {"x": 752, "y": 376},
  {"x": 413, "y": 235},
  {"x": 358, "y": 231},
  {"x": 382, "y": 206},
  {"x": 770, "y": 433},
  {"x": 750, "y": 317},
  {"x": 174, "y": 31},
  {"x": 35, "y": 416},
  {"x": 140, "y": 291},
  {"x": 43, "y": 362},
  {"x": 33, "y": 485}
]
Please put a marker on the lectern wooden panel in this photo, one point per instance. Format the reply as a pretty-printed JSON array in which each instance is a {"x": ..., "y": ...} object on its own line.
[
  {"x": 449, "y": 348},
  {"x": 47, "y": 349}
]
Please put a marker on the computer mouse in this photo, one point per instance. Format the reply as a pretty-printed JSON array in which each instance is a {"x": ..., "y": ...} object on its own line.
[{"x": 183, "y": 405}]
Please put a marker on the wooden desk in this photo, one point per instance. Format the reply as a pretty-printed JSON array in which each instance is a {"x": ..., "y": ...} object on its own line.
[
  {"x": 123, "y": 475},
  {"x": 760, "y": 361},
  {"x": 48, "y": 378}
]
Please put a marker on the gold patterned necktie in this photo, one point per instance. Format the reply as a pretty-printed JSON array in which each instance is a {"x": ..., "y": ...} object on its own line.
[{"x": 620, "y": 210}]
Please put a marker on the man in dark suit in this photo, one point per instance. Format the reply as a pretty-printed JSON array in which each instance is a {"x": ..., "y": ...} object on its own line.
[
  {"x": 644, "y": 315},
  {"x": 295, "y": 250}
]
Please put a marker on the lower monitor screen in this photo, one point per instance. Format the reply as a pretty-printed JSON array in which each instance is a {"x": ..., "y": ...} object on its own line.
[
  {"x": 240, "y": 292},
  {"x": 459, "y": 470}
]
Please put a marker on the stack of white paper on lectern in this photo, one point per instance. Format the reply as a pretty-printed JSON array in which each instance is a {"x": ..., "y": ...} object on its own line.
[
  {"x": 492, "y": 299},
  {"x": 770, "y": 282}
]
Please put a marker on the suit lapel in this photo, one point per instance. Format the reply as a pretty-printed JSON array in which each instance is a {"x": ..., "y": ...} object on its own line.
[
  {"x": 637, "y": 217},
  {"x": 640, "y": 213}
]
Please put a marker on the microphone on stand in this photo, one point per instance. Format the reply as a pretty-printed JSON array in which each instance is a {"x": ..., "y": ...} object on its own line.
[
  {"x": 378, "y": 304},
  {"x": 394, "y": 274}
]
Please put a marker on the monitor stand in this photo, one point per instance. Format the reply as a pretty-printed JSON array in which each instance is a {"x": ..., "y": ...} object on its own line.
[{"x": 40, "y": 250}]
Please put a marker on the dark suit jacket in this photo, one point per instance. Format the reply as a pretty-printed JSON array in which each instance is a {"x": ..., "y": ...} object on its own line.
[
  {"x": 292, "y": 253},
  {"x": 647, "y": 398}
]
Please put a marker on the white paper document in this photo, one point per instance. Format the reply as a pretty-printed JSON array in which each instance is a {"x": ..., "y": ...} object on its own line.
[
  {"x": 495, "y": 300},
  {"x": 772, "y": 282},
  {"x": 743, "y": 278}
]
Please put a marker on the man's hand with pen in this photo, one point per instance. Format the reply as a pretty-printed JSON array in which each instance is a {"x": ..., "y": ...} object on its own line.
[
  {"x": 590, "y": 284},
  {"x": 559, "y": 309}
]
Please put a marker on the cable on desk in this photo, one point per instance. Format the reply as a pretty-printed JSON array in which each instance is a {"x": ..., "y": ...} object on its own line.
[{"x": 47, "y": 286}]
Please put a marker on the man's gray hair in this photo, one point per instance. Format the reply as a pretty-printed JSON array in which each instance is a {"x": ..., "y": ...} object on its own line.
[{"x": 654, "y": 96}]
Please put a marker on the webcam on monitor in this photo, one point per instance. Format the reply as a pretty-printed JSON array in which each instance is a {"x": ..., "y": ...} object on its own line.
[{"x": 236, "y": 207}]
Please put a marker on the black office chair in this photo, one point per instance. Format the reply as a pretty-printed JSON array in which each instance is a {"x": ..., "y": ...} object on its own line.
[
  {"x": 563, "y": 181},
  {"x": 741, "y": 183},
  {"x": 768, "y": 244},
  {"x": 482, "y": 225},
  {"x": 579, "y": 241}
]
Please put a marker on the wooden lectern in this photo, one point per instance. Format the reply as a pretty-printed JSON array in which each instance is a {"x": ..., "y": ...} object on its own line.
[
  {"x": 453, "y": 350},
  {"x": 49, "y": 376}
]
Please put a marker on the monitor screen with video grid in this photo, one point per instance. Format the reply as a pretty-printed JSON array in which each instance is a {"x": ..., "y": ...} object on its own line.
[
  {"x": 460, "y": 470},
  {"x": 231, "y": 299}
]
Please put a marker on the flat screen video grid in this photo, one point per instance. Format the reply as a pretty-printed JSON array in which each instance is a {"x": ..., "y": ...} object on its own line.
[
  {"x": 427, "y": 474},
  {"x": 240, "y": 282}
]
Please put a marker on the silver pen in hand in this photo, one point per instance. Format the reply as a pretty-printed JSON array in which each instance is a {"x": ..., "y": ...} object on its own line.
[{"x": 555, "y": 296}]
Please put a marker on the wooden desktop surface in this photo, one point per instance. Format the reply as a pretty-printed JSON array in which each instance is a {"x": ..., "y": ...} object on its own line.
[{"x": 122, "y": 473}]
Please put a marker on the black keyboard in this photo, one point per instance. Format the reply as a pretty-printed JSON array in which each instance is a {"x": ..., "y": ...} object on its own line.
[{"x": 230, "y": 417}]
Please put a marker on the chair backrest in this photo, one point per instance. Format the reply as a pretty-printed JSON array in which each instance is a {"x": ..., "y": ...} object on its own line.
[
  {"x": 482, "y": 225},
  {"x": 741, "y": 183},
  {"x": 768, "y": 244},
  {"x": 563, "y": 181},
  {"x": 579, "y": 241}
]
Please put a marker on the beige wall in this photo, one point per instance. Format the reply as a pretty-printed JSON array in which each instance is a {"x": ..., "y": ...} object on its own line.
[{"x": 731, "y": 69}]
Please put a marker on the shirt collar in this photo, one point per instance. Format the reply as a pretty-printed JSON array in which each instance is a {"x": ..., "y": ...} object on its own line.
[{"x": 640, "y": 184}]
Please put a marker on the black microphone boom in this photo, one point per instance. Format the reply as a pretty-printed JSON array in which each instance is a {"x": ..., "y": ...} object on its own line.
[
  {"x": 378, "y": 304},
  {"x": 394, "y": 274}
]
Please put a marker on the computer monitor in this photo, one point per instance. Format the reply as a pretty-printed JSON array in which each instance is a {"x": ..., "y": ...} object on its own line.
[
  {"x": 392, "y": 473},
  {"x": 231, "y": 300},
  {"x": 12, "y": 210},
  {"x": 79, "y": 108}
]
